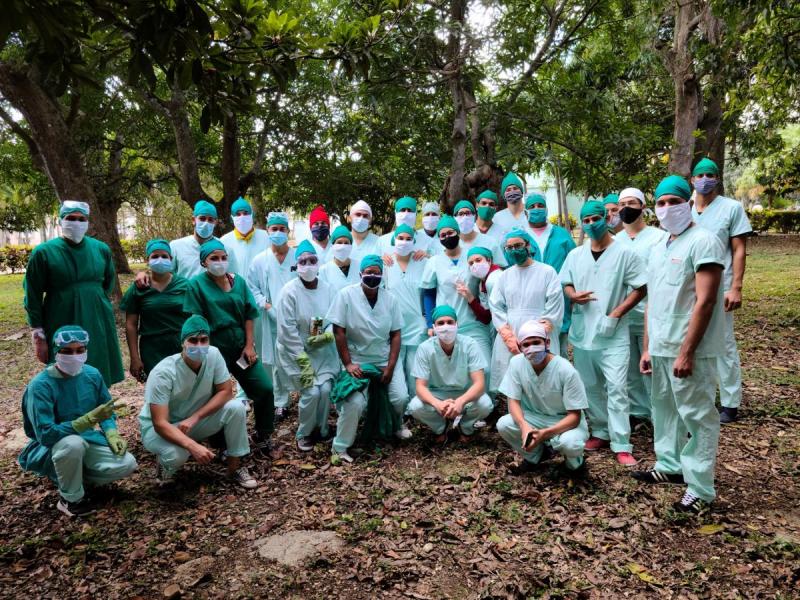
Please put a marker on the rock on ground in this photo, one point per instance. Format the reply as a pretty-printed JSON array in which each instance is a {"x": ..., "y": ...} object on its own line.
[{"x": 294, "y": 547}]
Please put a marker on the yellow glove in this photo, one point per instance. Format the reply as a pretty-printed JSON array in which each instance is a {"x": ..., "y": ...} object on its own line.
[
  {"x": 306, "y": 371},
  {"x": 115, "y": 442}
]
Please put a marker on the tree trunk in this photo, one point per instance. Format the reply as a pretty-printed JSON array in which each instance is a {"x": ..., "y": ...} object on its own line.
[
  {"x": 712, "y": 142},
  {"x": 231, "y": 168},
  {"x": 458, "y": 137},
  {"x": 191, "y": 188}
]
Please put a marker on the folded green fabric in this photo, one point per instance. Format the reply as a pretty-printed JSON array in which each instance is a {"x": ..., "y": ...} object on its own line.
[{"x": 380, "y": 420}]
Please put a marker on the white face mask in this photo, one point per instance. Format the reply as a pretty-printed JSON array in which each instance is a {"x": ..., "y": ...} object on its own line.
[
  {"x": 405, "y": 218},
  {"x": 307, "y": 272},
  {"x": 466, "y": 223},
  {"x": 342, "y": 251},
  {"x": 218, "y": 268},
  {"x": 675, "y": 218},
  {"x": 71, "y": 364},
  {"x": 535, "y": 354},
  {"x": 360, "y": 224},
  {"x": 243, "y": 223},
  {"x": 74, "y": 230},
  {"x": 403, "y": 247},
  {"x": 614, "y": 221},
  {"x": 430, "y": 222},
  {"x": 479, "y": 269},
  {"x": 446, "y": 333}
]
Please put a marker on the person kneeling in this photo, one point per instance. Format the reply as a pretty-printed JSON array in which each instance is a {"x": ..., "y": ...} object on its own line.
[
  {"x": 449, "y": 369},
  {"x": 545, "y": 399},
  {"x": 188, "y": 398},
  {"x": 61, "y": 408}
]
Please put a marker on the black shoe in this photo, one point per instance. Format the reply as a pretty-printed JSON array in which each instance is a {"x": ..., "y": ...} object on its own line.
[
  {"x": 728, "y": 415},
  {"x": 653, "y": 476},
  {"x": 318, "y": 437},
  {"x": 261, "y": 446},
  {"x": 691, "y": 504},
  {"x": 75, "y": 509},
  {"x": 524, "y": 467},
  {"x": 280, "y": 414}
]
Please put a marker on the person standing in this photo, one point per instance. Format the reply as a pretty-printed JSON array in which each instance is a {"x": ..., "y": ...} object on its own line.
[
  {"x": 364, "y": 241},
  {"x": 685, "y": 333},
  {"x": 339, "y": 270},
  {"x": 611, "y": 204},
  {"x": 186, "y": 250},
  {"x": 487, "y": 209},
  {"x": 319, "y": 223},
  {"x": 69, "y": 280},
  {"x": 464, "y": 212},
  {"x": 426, "y": 238},
  {"x": 246, "y": 241},
  {"x": 726, "y": 218},
  {"x": 512, "y": 190}
]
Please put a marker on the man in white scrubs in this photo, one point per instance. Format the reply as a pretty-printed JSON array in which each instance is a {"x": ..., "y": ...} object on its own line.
[
  {"x": 487, "y": 209},
  {"x": 364, "y": 241},
  {"x": 512, "y": 190},
  {"x": 426, "y": 235},
  {"x": 186, "y": 250},
  {"x": 340, "y": 270},
  {"x": 246, "y": 241},
  {"x": 464, "y": 212}
]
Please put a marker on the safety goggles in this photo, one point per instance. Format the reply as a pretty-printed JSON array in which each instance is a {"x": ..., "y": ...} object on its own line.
[{"x": 63, "y": 338}]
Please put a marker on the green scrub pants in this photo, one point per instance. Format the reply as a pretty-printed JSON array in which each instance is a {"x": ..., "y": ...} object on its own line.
[
  {"x": 605, "y": 376},
  {"x": 257, "y": 386},
  {"x": 231, "y": 419},
  {"x": 569, "y": 444},
  {"x": 76, "y": 460},
  {"x": 313, "y": 409},
  {"x": 473, "y": 411},
  {"x": 682, "y": 406},
  {"x": 639, "y": 385},
  {"x": 729, "y": 368}
]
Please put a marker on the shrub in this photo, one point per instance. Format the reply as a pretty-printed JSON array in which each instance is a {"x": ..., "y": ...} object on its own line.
[
  {"x": 783, "y": 221},
  {"x": 14, "y": 258},
  {"x": 573, "y": 222},
  {"x": 134, "y": 249}
]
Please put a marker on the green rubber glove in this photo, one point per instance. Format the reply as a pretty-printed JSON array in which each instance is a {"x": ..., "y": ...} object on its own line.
[
  {"x": 316, "y": 341},
  {"x": 95, "y": 416},
  {"x": 115, "y": 442},
  {"x": 306, "y": 372}
]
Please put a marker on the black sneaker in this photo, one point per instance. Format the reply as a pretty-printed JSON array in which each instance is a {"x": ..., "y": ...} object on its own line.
[
  {"x": 261, "y": 446},
  {"x": 75, "y": 509},
  {"x": 653, "y": 476},
  {"x": 524, "y": 467},
  {"x": 691, "y": 504},
  {"x": 728, "y": 415},
  {"x": 305, "y": 444},
  {"x": 281, "y": 413}
]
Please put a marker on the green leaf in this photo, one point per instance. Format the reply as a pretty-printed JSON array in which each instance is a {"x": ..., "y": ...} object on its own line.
[
  {"x": 711, "y": 529},
  {"x": 643, "y": 574}
]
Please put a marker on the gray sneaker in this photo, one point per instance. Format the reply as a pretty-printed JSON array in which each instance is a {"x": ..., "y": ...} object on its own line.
[
  {"x": 243, "y": 478},
  {"x": 305, "y": 444},
  {"x": 75, "y": 509},
  {"x": 163, "y": 477}
]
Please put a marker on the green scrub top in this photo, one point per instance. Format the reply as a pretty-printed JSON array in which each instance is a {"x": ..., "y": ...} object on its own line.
[
  {"x": 642, "y": 245},
  {"x": 70, "y": 284},
  {"x": 161, "y": 317},
  {"x": 550, "y": 394},
  {"x": 226, "y": 312},
  {"x": 671, "y": 294},
  {"x": 368, "y": 327},
  {"x": 173, "y": 384},
  {"x": 726, "y": 218},
  {"x": 405, "y": 289},
  {"x": 609, "y": 277},
  {"x": 448, "y": 376}
]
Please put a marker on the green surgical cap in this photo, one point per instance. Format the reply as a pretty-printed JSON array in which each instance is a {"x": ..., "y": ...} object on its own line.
[
  {"x": 518, "y": 233},
  {"x": 674, "y": 185},
  {"x": 487, "y": 194},
  {"x": 371, "y": 260},
  {"x": 203, "y": 208},
  {"x": 511, "y": 179},
  {"x": 485, "y": 252},
  {"x": 593, "y": 207},
  {"x": 277, "y": 218},
  {"x": 611, "y": 199},
  {"x": 463, "y": 204},
  {"x": 154, "y": 245},
  {"x": 241, "y": 204},
  {"x": 705, "y": 166},
  {"x": 68, "y": 334},
  {"x": 194, "y": 325},
  {"x": 533, "y": 199},
  {"x": 405, "y": 202},
  {"x": 209, "y": 247},
  {"x": 445, "y": 310},
  {"x": 71, "y": 206},
  {"x": 403, "y": 229},
  {"x": 447, "y": 222},
  {"x": 304, "y": 247},
  {"x": 340, "y": 232}
]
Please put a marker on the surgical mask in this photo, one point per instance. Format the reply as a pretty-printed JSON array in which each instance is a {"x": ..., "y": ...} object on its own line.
[
  {"x": 535, "y": 354},
  {"x": 629, "y": 214},
  {"x": 278, "y": 238},
  {"x": 74, "y": 230},
  {"x": 218, "y": 268},
  {"x": 517, "y": 256},
  {"x": 307, "y": 272},
  {"x": 403, "y": 247},
  {"x": 243, "y": 223},
  {"x": 371, "y": 281},
  {"x": 705, "y": 185},
  {"x": 595, "y": 230},
  {"x": 430, "y": 222},
  {"x": 450, "y": 242},
  {"x": 513, "y": 197},
  {"x": 446, "y": 333},
  {"x": 466, "y": 223},
  {"x": 613, "y": 221},
  {"x": 360, "y": 224},
  {"x": 675, "y": 218},
  {"x": 204, "y": 229},
  {"x": 71, "y": 364},
  {"x": 320, "y": 232},
  {"x": 342, "y": 251},
  {"x": 160, "y": 265},
  {"x": 405, "y": 218},
  {"x": 486, "y": 213},
  {"x": 197, "y": 353},
  {"x": 480, "y": 269},
  {"x": 537, "y": 215}
]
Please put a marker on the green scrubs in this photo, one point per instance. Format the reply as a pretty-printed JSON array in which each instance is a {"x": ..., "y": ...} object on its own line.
[
  {"x": 161, "y": 317},
  {"x": 70, "y": 284}
]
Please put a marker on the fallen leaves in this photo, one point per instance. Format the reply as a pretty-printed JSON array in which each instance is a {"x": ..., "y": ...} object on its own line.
[{"x": 643, "y": 574}]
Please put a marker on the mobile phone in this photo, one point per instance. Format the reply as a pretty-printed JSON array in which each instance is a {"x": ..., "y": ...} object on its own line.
[
  {"x": 242, "y": 363},
  {"x": 528, "y": 439}
]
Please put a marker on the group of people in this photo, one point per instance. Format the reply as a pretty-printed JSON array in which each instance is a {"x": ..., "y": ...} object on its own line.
[{"x": 438, "y": 324}]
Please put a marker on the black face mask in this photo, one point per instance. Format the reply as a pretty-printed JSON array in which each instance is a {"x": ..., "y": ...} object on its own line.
[
  {"x": 450, "y": 242},
  {"x": 371, "y": 281},
  {"x": 628, "y": 214},
  {"x": 320, "y": 232}
]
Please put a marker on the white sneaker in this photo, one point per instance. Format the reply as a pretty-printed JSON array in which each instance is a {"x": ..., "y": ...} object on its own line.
[
  {"x": 481, "y": 424},
  {"x": 342, "y": 456},
  {"x": 403, "y": 434},
  {"x": 243, "y": 478}
]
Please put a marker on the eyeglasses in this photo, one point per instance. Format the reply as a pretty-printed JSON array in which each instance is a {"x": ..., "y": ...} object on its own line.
[
  {"x": 707, "y": 175},
  {"x": 309, "y": 260},
  {"x": 518, "y": 246},
  {"x": 68, "y": 337}
]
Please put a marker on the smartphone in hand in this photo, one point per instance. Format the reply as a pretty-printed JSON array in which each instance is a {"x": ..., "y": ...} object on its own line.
[
  {"x": 528, "y": 440},
  {"x": 242, "y": 363}
]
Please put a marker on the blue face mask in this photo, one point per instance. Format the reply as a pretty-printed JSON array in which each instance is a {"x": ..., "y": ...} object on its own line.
[
  {"x": 204, "y": 229},
  {"x": 197, "y": 353},
  {"x": 160, "y": 265},
  {"x": 278, "y": 238},
  {"x": 705, "y": 185},
  {"x": 537, "y": 215},
  {"x": 595, "y": 230}
]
